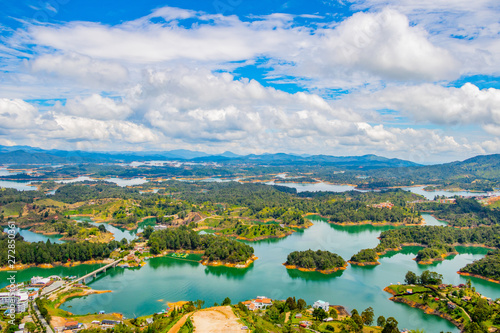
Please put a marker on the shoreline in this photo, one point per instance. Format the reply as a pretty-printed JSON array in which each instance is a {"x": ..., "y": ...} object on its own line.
[
  {"x": 19, "y": 267},
  {"x": 442, "y": 257},
  {"x": 205, "y": 262},
  {"x": 377, "y": 223},
  {"x": 322, "y": 271},
  {"x": 478, "y": 276},
  {"x": 367, "y": 263},
  {"x": 80, "y": 294},
  {"x": 423, "y": 307}
]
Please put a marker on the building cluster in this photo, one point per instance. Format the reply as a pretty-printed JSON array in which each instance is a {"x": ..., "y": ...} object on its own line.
[
  {"x": 74, "y": 326},
  {"x": 386, "y": 204},
  {"x": 18, "y": 297}
]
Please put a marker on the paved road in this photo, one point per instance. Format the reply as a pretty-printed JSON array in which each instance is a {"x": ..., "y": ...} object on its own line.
[{"x": 42, "y": 319}]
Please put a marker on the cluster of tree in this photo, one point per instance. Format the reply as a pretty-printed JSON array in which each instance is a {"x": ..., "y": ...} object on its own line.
[
  {"x": 251, "y": 232},
  {"x": 434, "y": 251},
  {"x": 466, "y": 212},
  {"x": 488, "y": 267},
  {"x": 88, "y": 190},
  {"x": 430, "y": 235},
  {"x": 365, "y": 255},
  {"x": 216, "y": 248},
  {"x": 321, "y": 260},
  {"x": 47, "y": 252},
  {"x": 426, "y": 278},
  {"x": 68, "y": 227},
  {"x": 357, "y": 211}
]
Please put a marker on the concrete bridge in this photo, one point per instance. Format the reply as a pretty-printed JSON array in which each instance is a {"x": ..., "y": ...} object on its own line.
[{"x": 97, "y": 271}]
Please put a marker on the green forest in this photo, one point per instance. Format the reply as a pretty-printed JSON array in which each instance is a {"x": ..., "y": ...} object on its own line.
[
  {"x": 488, "y": 267},
  {"x": 320, "y": 260},
  {"x": 47, "y": 252},
  {"x": 216, "y": 248}
]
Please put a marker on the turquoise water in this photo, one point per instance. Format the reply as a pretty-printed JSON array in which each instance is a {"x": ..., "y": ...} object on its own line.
[
  {"x": 119, "y": 233},
  {"x": 31, "y": 236},
  {"x": 143, "y": 291},
  {"x": 146, "y": 290}
]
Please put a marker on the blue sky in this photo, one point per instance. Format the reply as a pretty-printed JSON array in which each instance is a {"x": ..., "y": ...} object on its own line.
[{"x": 417, "y": 81}]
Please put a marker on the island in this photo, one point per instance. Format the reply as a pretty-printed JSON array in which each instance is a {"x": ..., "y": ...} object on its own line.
[
  {"x": 365, "y": 257},
  {"x": 315, "y": 261},
  {"x": 461, "y": 305},
  {"x": 487, "y": 268}
]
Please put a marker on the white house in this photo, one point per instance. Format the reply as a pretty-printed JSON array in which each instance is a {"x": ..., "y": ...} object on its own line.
[{"x": 321, "y": 305}]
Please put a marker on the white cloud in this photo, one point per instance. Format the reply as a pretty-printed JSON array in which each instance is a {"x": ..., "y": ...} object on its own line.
[
  {"x": 440, "y": 105},
  {"x": 81, "y": 68},
  {"x": 368, "y": 45},
  {"x": 85, "y": 129},
  {"x": 96, "y": 107},
  {"x": 16, "y": 114}
]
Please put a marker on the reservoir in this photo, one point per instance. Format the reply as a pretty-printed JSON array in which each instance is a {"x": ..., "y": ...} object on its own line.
[{"x": 146, "y": 290}]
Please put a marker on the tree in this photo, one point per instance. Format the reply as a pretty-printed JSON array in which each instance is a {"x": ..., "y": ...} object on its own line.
[
  {"x": 367, "y": 316},
  {"x": 102, "y": 228},
  {"x": 290, "y": 302},
  {"x": 333, "y": 313},
  {"x": 226, "y": 301},
  {"x": 482, "y": 311},
  {"x": 391, "y": 326},
  {"x": 429, "y": 277},
  {"x": 147, "y": 231},
  {"x": 301, "y": 304},
  {"x": 357, "y": 319},
  {"x": 30, "y": 326},
  {"x": 411, "y": 278},
  {"x": 330, "y": 328},
  {"x": 199, "y": 303},
  {"x": 381, "y": 321},
  {"x": 474, "y": 328},
  {"x": 319, "y": 314}
]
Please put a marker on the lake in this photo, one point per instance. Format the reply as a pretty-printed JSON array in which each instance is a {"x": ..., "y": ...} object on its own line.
[
  {"x": 146, "y": 290},
  {"x": 143, "y": 291}
]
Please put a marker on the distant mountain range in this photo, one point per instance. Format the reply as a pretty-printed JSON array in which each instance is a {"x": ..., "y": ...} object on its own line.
[{"x": 31, "y": 155}]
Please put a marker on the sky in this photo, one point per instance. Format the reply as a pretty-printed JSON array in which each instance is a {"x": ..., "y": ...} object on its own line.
[{"x": 416, "y": 80}]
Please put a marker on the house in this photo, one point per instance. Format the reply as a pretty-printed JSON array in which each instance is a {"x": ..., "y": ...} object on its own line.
[
  {"x": 261, "y": 302},
  {"x": 149, "y": 320},
  {"x": 442, "y": 286},
  {"x": 328, "y": 319},
  {"x": 451, "y": 305},
  {"x": 72, "y": 325},
  {"x": 305, "y": 324},
  {"x": 466, "y": 298},
  {"x": 409, "y": 291},
  {"x": 298, "y": 315},
  {"x": 109, "y": 323},
  {"x": 321, "y": 305}
]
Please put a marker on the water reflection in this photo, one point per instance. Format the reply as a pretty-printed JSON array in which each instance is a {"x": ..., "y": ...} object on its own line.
[{"x": 312, "y": 276}]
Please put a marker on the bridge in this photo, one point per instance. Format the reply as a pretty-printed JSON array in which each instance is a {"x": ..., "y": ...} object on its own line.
[{"x": 97, "y": 271}]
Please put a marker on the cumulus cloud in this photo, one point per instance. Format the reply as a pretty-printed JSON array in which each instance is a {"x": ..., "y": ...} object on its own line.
[
  {"x": 16, "y": 114},
  {"x": 441, "y": 105},
  {"x": 381, "y": 45},
  {"x": 84, "y": 69},
  {"x": 73, "y": 128},
  {"x": 97, "y": 107}
]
